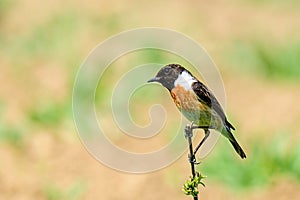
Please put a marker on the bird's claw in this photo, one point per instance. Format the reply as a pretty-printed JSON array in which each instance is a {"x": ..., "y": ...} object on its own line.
[
  {"x": 188, "y": 130},
  {"x": 193, "y": 160}
]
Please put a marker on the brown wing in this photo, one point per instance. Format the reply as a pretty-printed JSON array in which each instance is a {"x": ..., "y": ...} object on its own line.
[{"x": 205, "y": 96}]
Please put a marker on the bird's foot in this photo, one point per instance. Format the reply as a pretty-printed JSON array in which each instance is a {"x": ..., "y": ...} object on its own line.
[
  {"x": 193, "y": 160},
  {"x": 188, "y": 130}
]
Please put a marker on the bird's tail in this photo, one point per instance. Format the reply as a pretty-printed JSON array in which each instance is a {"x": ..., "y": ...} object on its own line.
[
  {"x": 227, "y": 133},
  {"x": 237, "y": 148}
]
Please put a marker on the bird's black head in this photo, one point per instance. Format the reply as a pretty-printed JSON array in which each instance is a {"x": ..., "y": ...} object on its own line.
[{"x": 168, "y": 75}]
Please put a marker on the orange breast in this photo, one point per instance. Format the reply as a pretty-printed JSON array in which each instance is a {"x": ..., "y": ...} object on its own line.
[
  {"x": 186, "y": 99},
  {"x": 187, "y": 102}
]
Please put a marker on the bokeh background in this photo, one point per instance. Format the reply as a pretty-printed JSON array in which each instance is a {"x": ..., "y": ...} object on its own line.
[{"x": 255, "y": 44}]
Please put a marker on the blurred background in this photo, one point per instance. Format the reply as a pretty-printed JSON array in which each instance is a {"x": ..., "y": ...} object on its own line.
[{"x": 256, "y": 46}]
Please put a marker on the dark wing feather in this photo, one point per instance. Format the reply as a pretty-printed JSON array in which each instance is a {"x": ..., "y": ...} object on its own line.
[{"x": 206, "y": 97}]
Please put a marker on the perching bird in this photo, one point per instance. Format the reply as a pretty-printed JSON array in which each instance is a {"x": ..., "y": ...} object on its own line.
[{"x": 196, "y": 102}]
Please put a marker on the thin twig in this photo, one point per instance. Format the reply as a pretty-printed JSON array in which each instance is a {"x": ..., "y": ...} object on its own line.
[
  {"x": 189, "y": 134},
  {"x": 191, "y": 186}
]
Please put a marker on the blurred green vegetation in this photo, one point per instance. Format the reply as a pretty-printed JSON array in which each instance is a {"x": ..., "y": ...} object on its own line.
[
  {"x": 273, "y": 61},
  {"x": 11, "y": 135},
  {"x": 75, "y": 191},
  {"x": 266, "y": 161},
  {"x": 50, "y": 114},
  {"x": 5, "y": 6},
  {"x": 52, "y": 40}
]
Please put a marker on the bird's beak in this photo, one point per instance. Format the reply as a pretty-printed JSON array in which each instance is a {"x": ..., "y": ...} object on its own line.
[{"x": 155, "y": 79}]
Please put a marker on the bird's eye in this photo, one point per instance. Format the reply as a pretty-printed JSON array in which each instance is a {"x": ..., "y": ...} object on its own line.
[{"x": 167, "y": 70}]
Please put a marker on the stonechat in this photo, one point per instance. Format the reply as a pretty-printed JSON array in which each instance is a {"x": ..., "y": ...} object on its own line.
[{"x": 196, "y": 102}]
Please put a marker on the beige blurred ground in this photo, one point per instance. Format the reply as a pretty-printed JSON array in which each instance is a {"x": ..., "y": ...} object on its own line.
[{"x": 54, "y": 156}]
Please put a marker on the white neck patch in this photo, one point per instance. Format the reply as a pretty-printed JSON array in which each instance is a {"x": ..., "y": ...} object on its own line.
[{"x": 185, "y": 80}]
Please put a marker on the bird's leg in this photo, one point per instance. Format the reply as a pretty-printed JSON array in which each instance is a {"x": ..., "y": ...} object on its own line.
[
  {"x": 188, "y": 133},
  {"x": 207, "y": 132}
]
